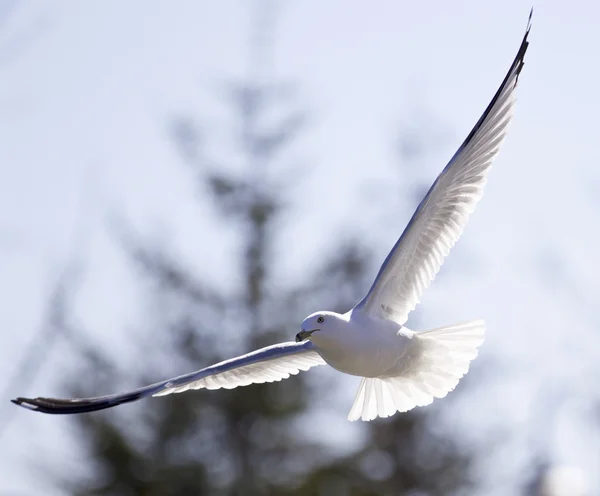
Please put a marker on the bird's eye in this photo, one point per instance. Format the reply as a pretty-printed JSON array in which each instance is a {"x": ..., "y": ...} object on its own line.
[{"x": 320, "y": 320}]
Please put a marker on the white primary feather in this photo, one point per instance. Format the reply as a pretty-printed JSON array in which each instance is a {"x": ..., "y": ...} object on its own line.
[{"x": 442, "y": 215}]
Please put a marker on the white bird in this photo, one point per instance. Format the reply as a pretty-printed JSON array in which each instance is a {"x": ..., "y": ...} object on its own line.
[{"x": 400, "y": 368}]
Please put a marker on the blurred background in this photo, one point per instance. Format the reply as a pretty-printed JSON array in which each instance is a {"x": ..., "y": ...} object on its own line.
[{"x": 185, "y": 181}]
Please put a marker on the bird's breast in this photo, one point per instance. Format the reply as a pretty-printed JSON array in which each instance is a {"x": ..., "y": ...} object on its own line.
[{"x": 365, "y": 352}]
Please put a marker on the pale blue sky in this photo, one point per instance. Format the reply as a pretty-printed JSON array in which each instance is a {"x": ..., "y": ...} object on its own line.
[{"x": 85, "y": 100}]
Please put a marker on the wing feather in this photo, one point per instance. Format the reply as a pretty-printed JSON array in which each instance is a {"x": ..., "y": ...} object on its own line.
[
  {"x": 269, "y": 364},
  {"x": 441, "y": 217}
]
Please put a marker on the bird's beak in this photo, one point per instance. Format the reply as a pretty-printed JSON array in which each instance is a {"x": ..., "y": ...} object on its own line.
[{"x": 302, "y": 335}]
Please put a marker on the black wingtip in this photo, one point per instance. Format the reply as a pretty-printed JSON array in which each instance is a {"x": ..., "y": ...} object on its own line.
[
  {"x": 520, "y": 58},
  {"x": 25, "y": 403},
  {"x": 58, "y": 406},
  {"x": 85, "y": 405}
]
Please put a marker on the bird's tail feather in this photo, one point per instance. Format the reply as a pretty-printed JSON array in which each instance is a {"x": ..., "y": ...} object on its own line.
[{"x": 444, "y": 355}]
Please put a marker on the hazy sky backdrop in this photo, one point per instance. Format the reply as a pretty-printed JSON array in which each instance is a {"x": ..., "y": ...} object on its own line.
[{"x": 87, "y": 90}]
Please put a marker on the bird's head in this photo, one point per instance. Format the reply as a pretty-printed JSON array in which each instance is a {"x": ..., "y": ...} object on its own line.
[{"x": 319, "y": 324}]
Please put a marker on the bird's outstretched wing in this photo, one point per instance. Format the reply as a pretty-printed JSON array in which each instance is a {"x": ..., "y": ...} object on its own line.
[
  {"x": 269, "y": 364},
  {"x": 441, "y": 217}
]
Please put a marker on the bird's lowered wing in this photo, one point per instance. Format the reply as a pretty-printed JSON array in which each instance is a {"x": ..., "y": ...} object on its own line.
[
  {"x": 269, "y": 364},
  {"x": 441, "y": 217}
]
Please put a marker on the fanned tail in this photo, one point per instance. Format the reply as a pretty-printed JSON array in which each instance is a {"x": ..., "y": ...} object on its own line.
[{"x": 444, "y": 355}]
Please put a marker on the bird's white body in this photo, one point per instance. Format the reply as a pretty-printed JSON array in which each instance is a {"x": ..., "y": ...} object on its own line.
[
  {"x": 358, "y": 344},
  {"x": 400, "y": 368}
]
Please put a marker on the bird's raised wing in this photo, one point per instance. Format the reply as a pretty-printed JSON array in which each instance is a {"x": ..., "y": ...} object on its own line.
[
  {"x": 441, "y": 217},
  {"x": 269, "y": 364}
]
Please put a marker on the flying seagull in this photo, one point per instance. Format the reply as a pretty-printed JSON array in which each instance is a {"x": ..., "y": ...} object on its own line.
[{"x": 400, "y": 368}]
